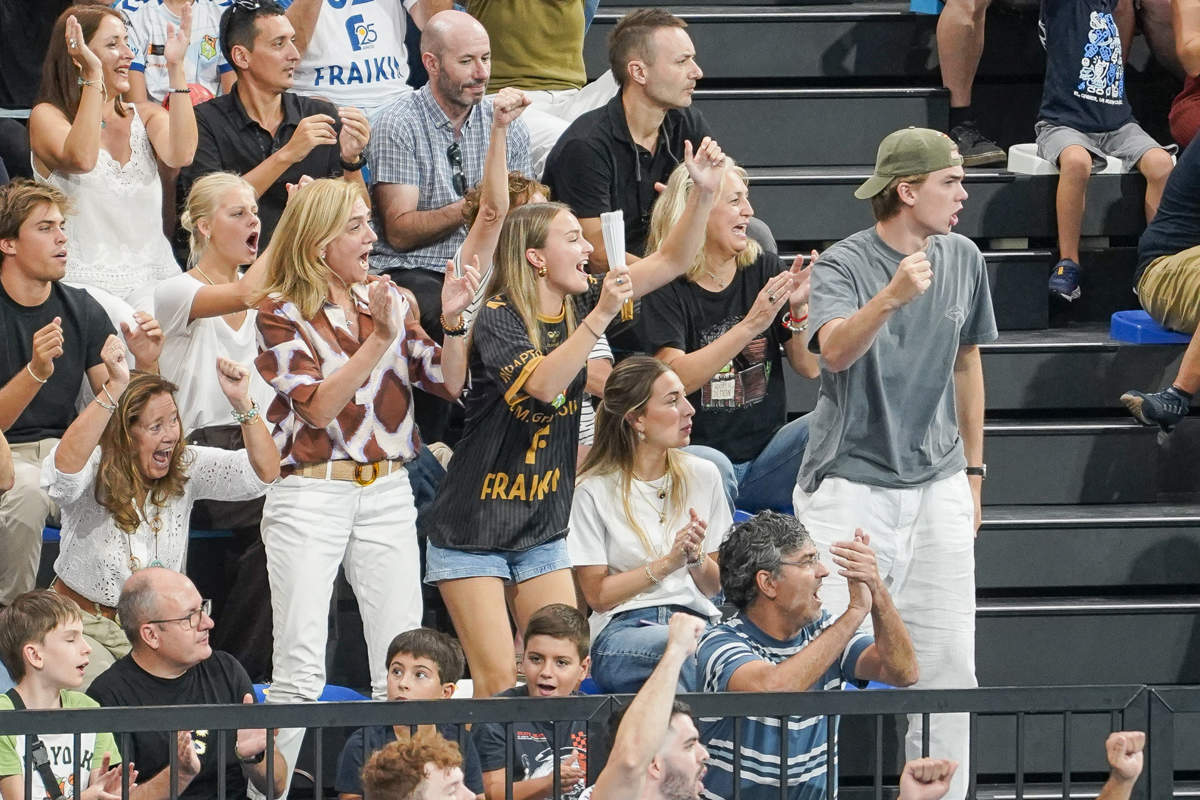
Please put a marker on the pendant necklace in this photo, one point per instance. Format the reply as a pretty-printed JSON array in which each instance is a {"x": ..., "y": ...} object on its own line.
[{"x": 155, "y": 525}]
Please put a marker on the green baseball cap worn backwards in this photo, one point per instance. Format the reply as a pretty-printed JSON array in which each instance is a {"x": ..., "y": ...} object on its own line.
[{"x": 911, "y": 151}]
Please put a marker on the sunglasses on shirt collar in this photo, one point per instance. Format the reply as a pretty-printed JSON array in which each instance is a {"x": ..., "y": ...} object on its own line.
[{"x": 455, "y": 157}]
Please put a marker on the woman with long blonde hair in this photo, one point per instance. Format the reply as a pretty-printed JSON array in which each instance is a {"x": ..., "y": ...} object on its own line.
[
  {"x": 722, "y": 328},
  {"x": 497, "y": 527},
  {"x": 125, "y": 481},
  {"x": 343, "y": 355},
  {"x": 645, "y": 521}
]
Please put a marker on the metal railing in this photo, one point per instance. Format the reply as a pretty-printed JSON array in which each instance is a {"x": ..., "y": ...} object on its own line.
[{"x": 1119, "y": 707}]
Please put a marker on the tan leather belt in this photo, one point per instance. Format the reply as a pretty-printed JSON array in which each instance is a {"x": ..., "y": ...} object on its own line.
[
  {"x": 59, "y": 587},
  {"x": 346, "y": 470}
]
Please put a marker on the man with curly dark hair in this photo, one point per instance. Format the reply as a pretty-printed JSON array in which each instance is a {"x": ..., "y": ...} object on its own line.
[{"x": 780, "y": 640}]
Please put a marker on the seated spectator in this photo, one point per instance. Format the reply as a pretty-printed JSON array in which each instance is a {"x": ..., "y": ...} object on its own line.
[
  {"x": 1085, "y": 116},
  {"x": 516, "y": 460},
  {"x": 265, "y": 133},
  {"x": 780, "y": 640},
  {"x": 42, "y": 643},
  {"x": 172, "y": 664},
  {"x": 100, "y": 151},
  {"x": 429, "y": 146},
  {"x": 125, "y": 480},
  {"x": 538, "y": 48},
  {"x": 1185, "y": 108},
  {"x": 612, "y": 158},
  {"x": 960, "y": 30},
  {"x": 343, "y": 360},
  {"x": 721, "y": 327},
  {"x": 645, "y": 520},
  {"x": 1167, "y": 283},
  {"x": 656, "y": 752},
  {"x": 353, "y": 54},
  {"x": 422, "y": 767},
  {"x": 555, "y": 662},
  {"x": 206, "y": 314},
  {"x": 152, "y": 25},
  {"x": 55, "y": 333},
  {"x": 422, "y": 664}
]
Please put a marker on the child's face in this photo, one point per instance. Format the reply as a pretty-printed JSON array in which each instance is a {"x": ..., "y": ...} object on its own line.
[
  {"x": 552, "y": 667},
  {"x": 63, "y": 655},
  {"x": 415, "y": 678}
]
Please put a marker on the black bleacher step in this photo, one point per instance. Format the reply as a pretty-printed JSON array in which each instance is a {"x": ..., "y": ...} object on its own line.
[
  {"x": 1038, "y": 548},
  {"x": 817, "y": 204},
  {"x": 817, "y": 127},
  {"x": 1087, "y": 640},
  {"x": 1070, "y": 462},
  {"x": 782, "y": 40}
]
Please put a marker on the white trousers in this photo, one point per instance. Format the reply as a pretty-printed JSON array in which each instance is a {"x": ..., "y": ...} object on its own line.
[
  {"x": 309, "y": 527},
  {"x": 924, "y": 541},
  {"x": 550, "y": 112}
]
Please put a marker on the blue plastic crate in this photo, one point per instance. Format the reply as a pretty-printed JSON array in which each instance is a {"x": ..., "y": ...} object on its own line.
[
  {"x": 925, "y": 6},
  {"x": 1137, "y": 327}
]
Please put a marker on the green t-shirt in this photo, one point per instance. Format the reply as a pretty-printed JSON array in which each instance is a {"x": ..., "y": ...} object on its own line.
[
  {"x": 535, "y": 45},
  {"x": 60, "y": 748}
]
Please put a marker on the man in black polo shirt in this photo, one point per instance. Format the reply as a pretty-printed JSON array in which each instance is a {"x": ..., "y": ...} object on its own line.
[{"x": 264, "y": 132}]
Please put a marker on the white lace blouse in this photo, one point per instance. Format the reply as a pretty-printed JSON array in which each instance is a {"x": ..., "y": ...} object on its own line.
[{"x": 94, "y": 555}]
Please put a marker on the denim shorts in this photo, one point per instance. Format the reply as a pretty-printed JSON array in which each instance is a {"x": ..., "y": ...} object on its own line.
[{"x": 446, "y": 564}]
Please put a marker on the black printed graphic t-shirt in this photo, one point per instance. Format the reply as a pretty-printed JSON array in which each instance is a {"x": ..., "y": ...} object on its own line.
[{"x": 510, "y": 483}]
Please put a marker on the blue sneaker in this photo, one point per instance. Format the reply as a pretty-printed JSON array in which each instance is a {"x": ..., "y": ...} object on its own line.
[
  {"x": 1064, "y": 280},
  {"x": 1163, "y": 409}
]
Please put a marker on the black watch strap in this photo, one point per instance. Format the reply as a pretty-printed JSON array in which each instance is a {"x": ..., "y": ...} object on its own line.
[
  {"x": 354, "y": 166},
  {"x": 981, "y": 471}
]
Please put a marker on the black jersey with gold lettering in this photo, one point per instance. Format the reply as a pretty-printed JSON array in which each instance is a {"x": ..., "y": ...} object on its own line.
[{"x": 510, "y": 483}]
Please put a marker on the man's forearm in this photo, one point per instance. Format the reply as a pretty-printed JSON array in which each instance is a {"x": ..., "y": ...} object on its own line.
[
  {"x": 969, "y": 402},
  {"x": 413, "y": 229},
  {"x": 849, "y": 339},
  {"x": 895, "y": 648},
  {"x": 799, "y": 672},
  {"x": 263, "y": 176}
]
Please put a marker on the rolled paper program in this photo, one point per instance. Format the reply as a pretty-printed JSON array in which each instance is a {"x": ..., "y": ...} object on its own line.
[{"x": 612, "y": 226}]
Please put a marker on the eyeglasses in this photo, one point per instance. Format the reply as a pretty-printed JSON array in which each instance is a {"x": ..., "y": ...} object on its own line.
[
  {"x": 454, "y": 155},
  {"x": 192, "y": 620},
  {"x": 805, "y": 563}
]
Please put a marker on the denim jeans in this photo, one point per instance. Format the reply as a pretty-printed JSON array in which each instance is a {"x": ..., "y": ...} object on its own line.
[
  {"x": 767, "y": 481},
  {"x": 627, "y": 651}
]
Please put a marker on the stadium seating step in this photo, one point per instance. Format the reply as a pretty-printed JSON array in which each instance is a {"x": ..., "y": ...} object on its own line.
[
  {"x": 817, "y": 204},
  {"x": 1154, "y": 546},
  {"x": 816, "y": 127}
]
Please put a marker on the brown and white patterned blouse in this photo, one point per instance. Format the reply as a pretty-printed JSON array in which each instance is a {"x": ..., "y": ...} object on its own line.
[{"x": 297, "y": 354}]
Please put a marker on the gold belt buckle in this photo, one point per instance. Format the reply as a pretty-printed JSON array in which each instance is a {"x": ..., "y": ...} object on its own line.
[{"x": 358, "y": 478}]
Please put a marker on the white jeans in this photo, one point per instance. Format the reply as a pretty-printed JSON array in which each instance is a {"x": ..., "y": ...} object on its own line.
[
  {"x": 550, "y": 112},
  {"x": 924, "y": 541},
  {"x": 309, "y": 527}
]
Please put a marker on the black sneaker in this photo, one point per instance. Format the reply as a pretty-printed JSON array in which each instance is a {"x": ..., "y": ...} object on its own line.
[
  {"x": 976, "y": 149},
  {"x": 1163, "y": 409}
]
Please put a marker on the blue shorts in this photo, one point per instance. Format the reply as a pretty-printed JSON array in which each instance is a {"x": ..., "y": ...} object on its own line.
[{"x": 445, "y": 564}]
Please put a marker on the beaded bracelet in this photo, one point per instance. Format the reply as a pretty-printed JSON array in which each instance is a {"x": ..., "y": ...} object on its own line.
[
  {"x": 246, "y": 417},
  {"x": 793, "y": 324},
  {"x": 461, "y": 330}
]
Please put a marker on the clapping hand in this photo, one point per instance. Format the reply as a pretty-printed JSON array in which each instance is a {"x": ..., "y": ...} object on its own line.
[
  {"x": 144, "y": 339},
  {"x": 856, "y": 563},
  {"x": 380, "y": 302},
  {"x": 458, "y": 292},
  {"x": 689, "y": 541},
  {"x": 104, "y": 783},
  {"x": 801, "y": 282},
  {"x": 87, "y": 62},
  {"x": 112, "y": 353},
  {"x": 47, "y": 346},
  {"x": 179, "y": 38},
  {"x": 355, "y": 133}
]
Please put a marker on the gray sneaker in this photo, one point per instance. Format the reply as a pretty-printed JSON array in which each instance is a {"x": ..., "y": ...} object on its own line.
[{"x": 1164, "y": 409}]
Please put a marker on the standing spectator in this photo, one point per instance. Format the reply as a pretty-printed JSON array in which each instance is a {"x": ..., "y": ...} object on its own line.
[
  {"x": 721, "y": 328},
  {"x": 41, "y": 640},
  {"x": 100, "y": 151},
  {"x": 1085, "y": 116},
  {"x": 343, "y": 361},
  {"x": 781, "y": 640},
  {"x": 501, "y": 514},
  {"x": 125, "y": 480},
  {"x": 353, "y": 54},
  {"x": 265, "y": 133},
  {"x": 898, "y": 313},
  {"x": 205, "y": 314},
  {"x": 645, "y": 519},
  {"x": 55, "y": 333},
  {"x": 960, "y": 31},
  {"x": 151, "y": 26},
  {"x": 538, "y": 48},
  {"x": 429, "y": 147},
  {"x": 172, "y": 664}
]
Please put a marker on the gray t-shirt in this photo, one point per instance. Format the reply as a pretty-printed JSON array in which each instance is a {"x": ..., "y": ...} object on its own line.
[{"x": 889, "y": 420}]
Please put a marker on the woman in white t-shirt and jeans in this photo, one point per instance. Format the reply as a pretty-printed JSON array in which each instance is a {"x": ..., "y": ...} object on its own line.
[{"x": 646, "y": 522}]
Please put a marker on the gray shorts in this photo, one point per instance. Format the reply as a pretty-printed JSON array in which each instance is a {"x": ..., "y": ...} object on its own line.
[{"x": 1128, "y": 143}]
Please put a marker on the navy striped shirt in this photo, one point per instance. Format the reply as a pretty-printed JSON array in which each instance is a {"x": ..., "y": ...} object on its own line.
[{"x": 739, "y": 641}]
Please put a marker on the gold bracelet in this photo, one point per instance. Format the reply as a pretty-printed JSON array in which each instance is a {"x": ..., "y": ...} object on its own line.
[
  {"x": 650, "y": 575},
  {"x": 98, "y": 85}
]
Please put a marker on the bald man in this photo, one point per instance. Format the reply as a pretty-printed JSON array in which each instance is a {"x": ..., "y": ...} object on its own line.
[
  {"x": 426, "y": 151},
  {"x": 171, "y": 664}
]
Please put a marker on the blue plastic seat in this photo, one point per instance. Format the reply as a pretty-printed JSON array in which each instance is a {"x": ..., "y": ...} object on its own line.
[
  {"x": 1137, "y": 327},
  {"x": 332, "y": 693}
]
